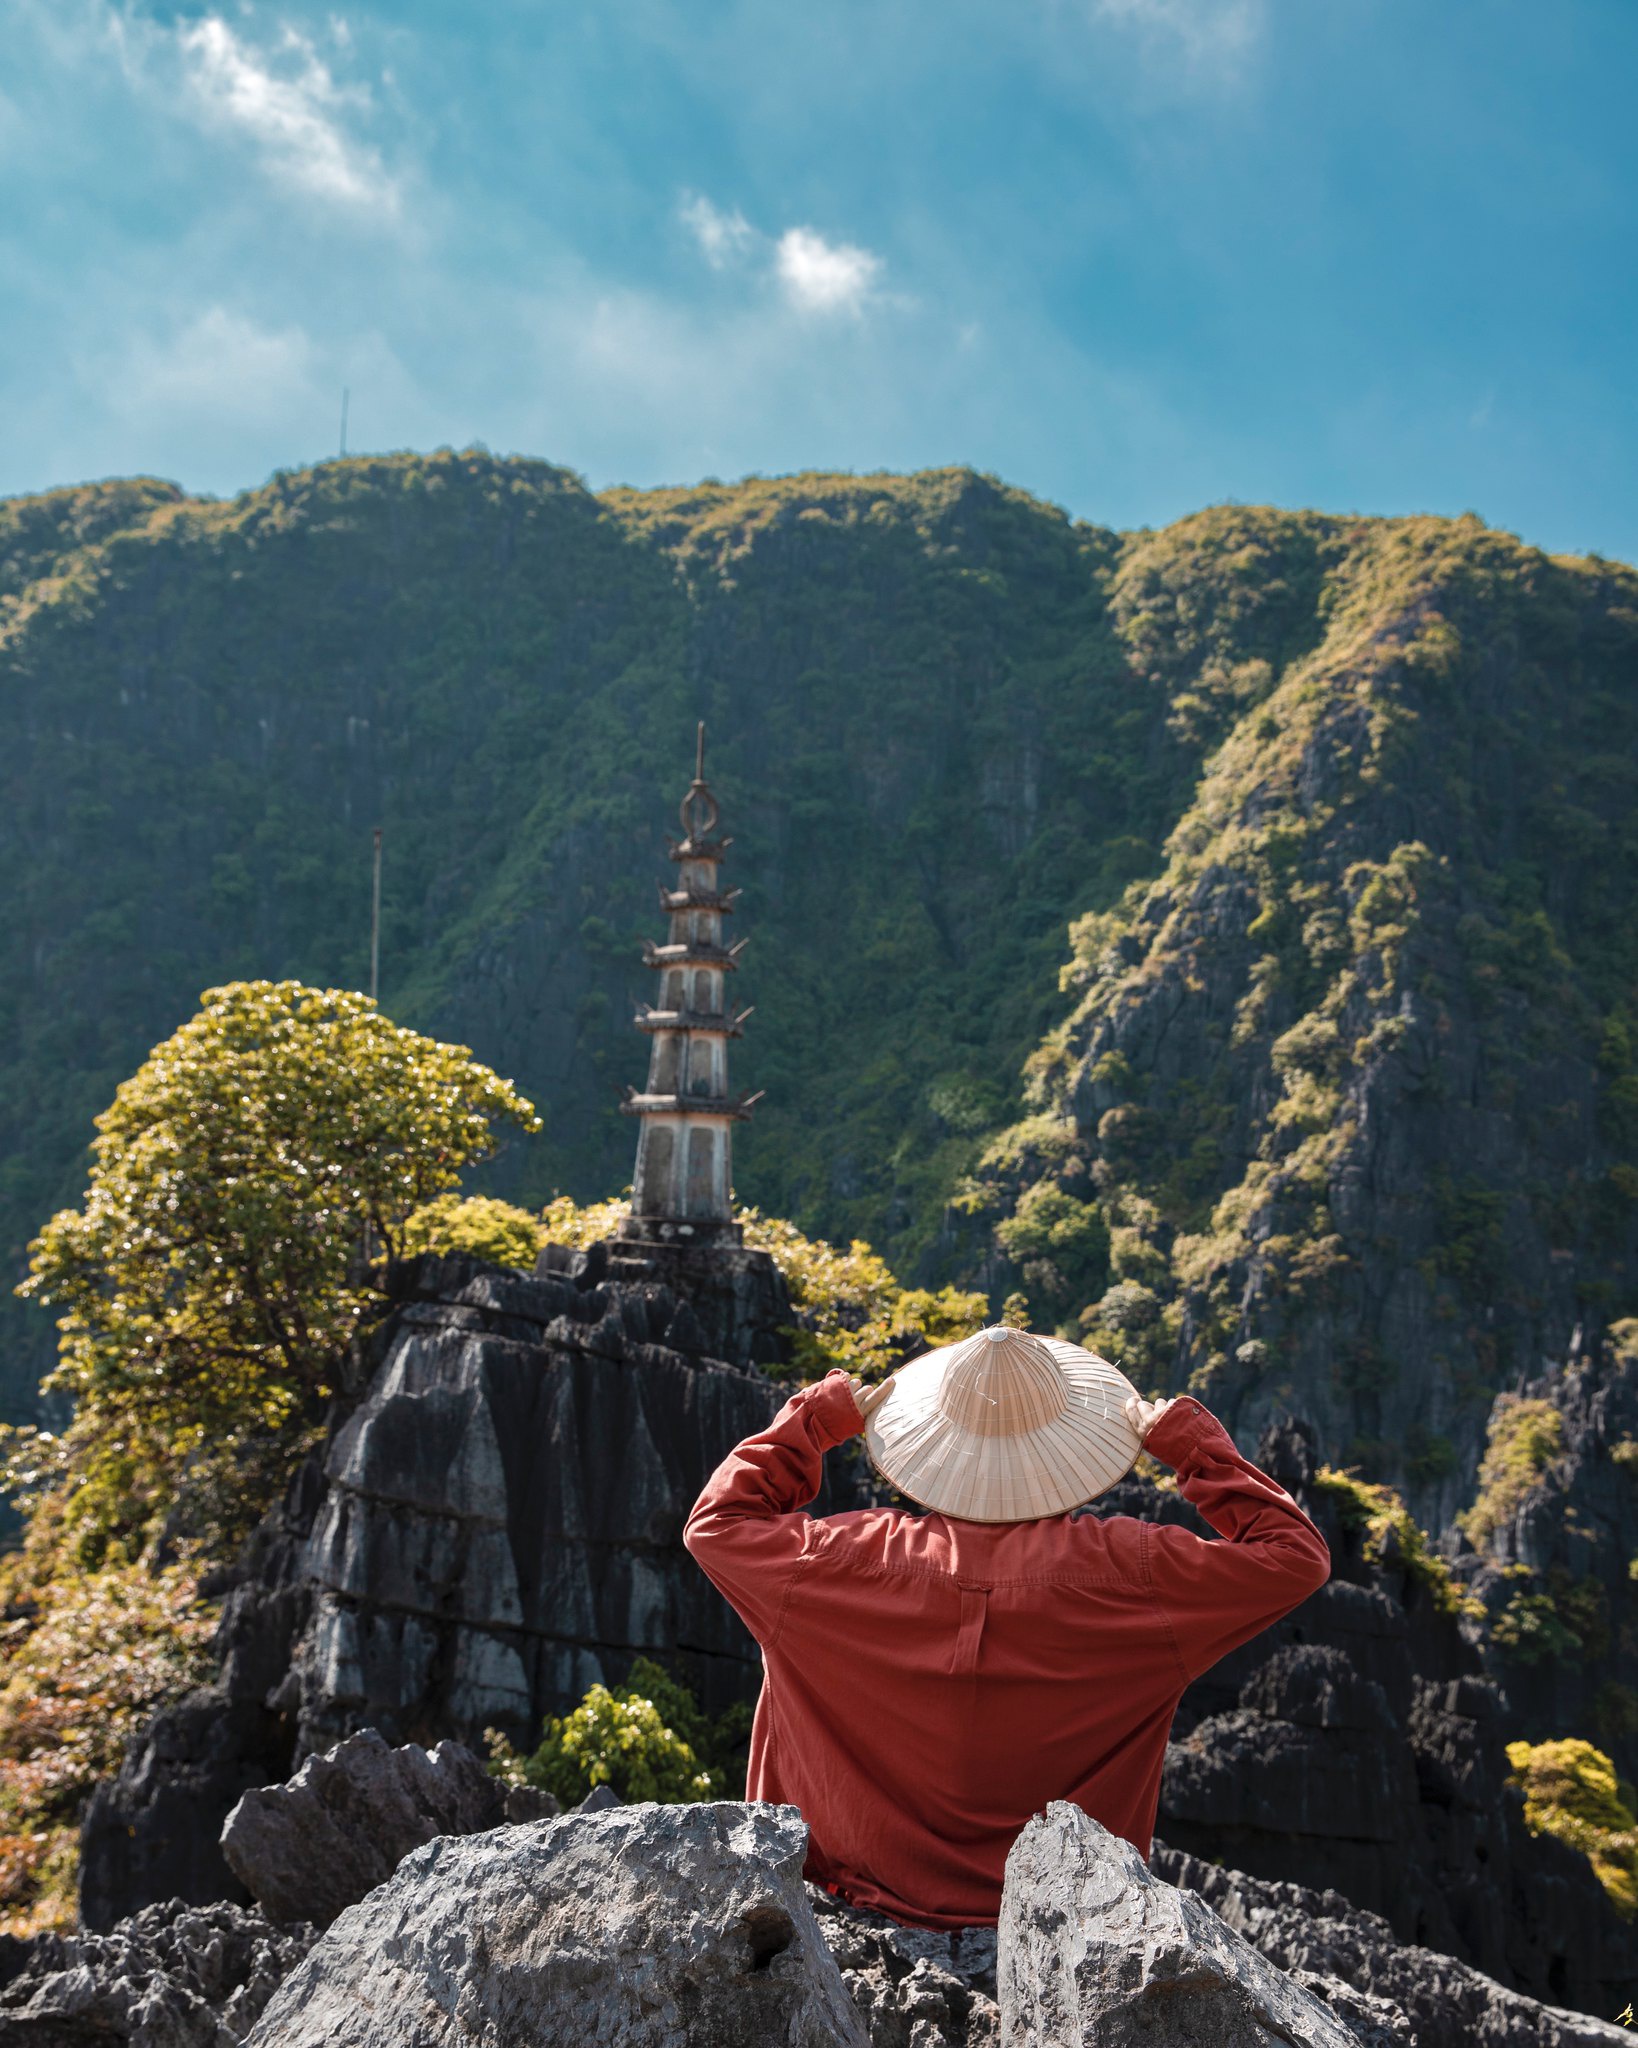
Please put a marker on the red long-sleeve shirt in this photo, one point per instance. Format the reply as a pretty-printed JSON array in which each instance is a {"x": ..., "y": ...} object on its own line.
[{"x": 929, "y": 1683}]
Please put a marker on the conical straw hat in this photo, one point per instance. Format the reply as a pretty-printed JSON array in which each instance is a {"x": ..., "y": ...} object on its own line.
[{"x": 1004, "y": 1427}]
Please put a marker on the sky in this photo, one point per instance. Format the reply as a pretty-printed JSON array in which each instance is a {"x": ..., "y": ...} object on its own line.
[{"x": 1135, "y": 256}]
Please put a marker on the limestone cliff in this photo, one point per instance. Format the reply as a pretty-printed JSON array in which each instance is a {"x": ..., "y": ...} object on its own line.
[
  {"x": 1343, "y": 1121},
  {"x": 494, "y": 1528}
]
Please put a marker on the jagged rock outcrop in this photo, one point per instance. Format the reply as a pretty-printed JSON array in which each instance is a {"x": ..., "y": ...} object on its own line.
[
  {"x": 1093, "y": 1949},
  {"x": 1335, "y": 1781},
  {"x": 1343, "y": 1118},
  {"x": 653, "y": 1926},
  {"x": 1358, "y": 1747},
  {"x": 494, "y": 1528},
  {"x": 153, "y": 1832},
  {"x": 1445, "y": 2003},
  {"x": 1554, "y": 1569},
  {"x": 502, "y": 1521},
  {"x": 343, "y": 1824},
  {"x": 915, "y": 1987},
  {"x": 171, "y": 1976}
]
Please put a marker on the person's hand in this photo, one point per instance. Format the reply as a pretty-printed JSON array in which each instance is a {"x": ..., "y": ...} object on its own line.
[
  {"x": 1143, "y": 1415},
  {"x": 868, "y": 1399}
]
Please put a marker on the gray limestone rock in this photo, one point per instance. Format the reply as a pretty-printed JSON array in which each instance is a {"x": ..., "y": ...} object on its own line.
[
  {"x": 1094, "y": 1949},
  {"x": 1374, "y": 2021},
  {"x": 341, "y": 1826},
  {"x": 1444, "y": 2003},
  {"x": 530, "y": 1802},
  {"x": 650, "y": 1926},
  {"x": 172, "y": 1976},
  {"x": 494, "y": 1528},
  {"x": 915, "y": 1987},
  {"x": 502, "y": 1520}
]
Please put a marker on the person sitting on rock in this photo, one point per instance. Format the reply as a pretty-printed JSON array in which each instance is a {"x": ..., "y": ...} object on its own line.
[{"x": 930, "y": 1681}]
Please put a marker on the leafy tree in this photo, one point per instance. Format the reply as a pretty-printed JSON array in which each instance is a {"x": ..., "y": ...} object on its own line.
[
  {"x": 245, "y": 1183},
  {"x": 852, "y": 1311}
]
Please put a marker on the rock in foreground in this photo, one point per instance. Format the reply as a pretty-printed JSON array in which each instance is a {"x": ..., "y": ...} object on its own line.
[
  {"x": 1445, "y": 2003},
  {"x": 310, "y": 1849},
  {"x": 1094, "y": 1949},
  {"x": 171, "y": 1976},
  {"x": 914, "y": 1987},
  {"x": 650, "y": 1926}
]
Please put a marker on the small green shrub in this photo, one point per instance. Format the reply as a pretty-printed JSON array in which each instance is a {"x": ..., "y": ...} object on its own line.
[
  {"x": 1061, "y": 1242},
  {"x": 1615, "y": 1711},
  {"x": 1525, "y": 1437},
  {"x": 1531, "y": 1629},
  {"x": 489, "y": 1229},
  {"x": 1378, "y": 1513},
  {"x": 85, "y": 1658},
  {"x": 1571, "y": 1790},
  {"x": 645, "y": 1740},
  {"x": 1428, "y": 1456}
]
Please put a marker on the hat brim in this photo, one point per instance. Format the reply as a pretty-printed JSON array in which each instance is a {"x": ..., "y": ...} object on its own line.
[{"x": 1062, "y": 1465}]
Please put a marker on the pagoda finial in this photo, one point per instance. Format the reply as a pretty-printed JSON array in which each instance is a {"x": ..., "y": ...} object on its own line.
[
  {"x": 681, "y": 1190},
  {"x": 698, "y": 809}
]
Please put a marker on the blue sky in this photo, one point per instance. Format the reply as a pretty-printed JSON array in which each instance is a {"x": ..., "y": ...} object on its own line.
[{"x": 1134, "y": 255}]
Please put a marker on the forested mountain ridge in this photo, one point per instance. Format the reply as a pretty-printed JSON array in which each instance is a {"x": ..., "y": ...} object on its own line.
[
  {"x": 1346, "y": 1115},
  {"x": 1335, "y": 1105}
]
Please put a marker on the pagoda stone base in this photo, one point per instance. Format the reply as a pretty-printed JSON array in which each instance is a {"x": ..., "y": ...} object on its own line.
[
  {"x": 669, "y": 1230},
  {"x": 736, "y": 1297}
]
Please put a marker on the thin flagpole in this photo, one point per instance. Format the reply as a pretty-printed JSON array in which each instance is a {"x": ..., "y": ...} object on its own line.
[{"x": 375, "y": 923}]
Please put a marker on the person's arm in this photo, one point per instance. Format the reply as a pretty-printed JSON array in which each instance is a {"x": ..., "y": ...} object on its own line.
[
  {"x": 1219, "y": 1595},
  {"x": 748, "y": 1532}
]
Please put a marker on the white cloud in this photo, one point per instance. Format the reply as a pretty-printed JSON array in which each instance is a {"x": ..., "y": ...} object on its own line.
[
  {"x": 288, "y": 102},
  {"x": 721, "y": 236},
  {"x": 1206, "y": 35},
  {"x": 825, "y": 277},
  {"x": 814, "y": 275},
  {"x": 215, "y": 365}
]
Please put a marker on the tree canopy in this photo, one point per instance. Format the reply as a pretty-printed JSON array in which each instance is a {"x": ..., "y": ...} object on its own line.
[{"x": 246, "y": 1184}]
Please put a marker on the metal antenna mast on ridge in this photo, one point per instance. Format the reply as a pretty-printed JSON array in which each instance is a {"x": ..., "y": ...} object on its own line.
[{"x": 375, "y": 923}]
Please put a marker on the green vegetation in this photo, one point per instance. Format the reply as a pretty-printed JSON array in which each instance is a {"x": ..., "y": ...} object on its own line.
[
  {"x": 480, "y": 1224},
  {"x": 1390, "y": 1538},
  {"x": 921, "y": 730},
  {"x": 1524, "y": 1438},
  {"x": 212, "y": 1281},
  {"x": 853, "y": 1313},
  {"x": 87, "y": 1656},
  {"x": 1571, "y": 1790},
  {"x": 646, "y": 1739},
  {"x": 1531, "y": 1629},
  {"x": 948, "y": 725},
  {"x": 1295, "y": 928},
  {"x": 211, "y": 1284}
]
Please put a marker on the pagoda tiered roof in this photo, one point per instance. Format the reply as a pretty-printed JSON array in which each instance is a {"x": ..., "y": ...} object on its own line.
[
  {"x": 711, "y": 1021},
  {"x": 734, "y": 1107},
  {"x": 700, "y": 849},
  {"x": 693, "y": 953},
  {"x": 699, "y": 899}
]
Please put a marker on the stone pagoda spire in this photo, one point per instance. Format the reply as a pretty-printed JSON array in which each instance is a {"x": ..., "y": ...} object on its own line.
[{"x": 680, "y": 1192}]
